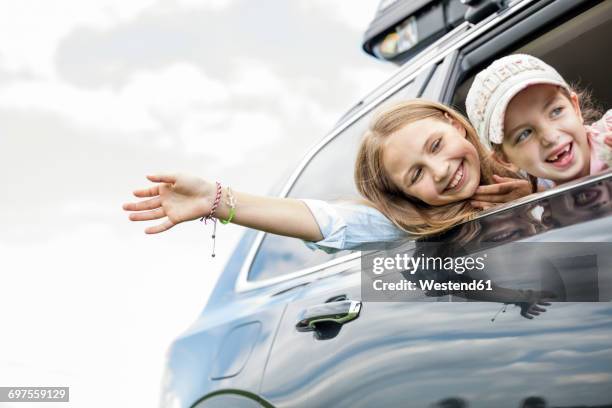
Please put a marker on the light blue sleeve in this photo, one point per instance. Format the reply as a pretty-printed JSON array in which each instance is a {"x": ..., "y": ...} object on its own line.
[
  {"x": 545, "y": 184},
  {"x": 346, "y": 225}
]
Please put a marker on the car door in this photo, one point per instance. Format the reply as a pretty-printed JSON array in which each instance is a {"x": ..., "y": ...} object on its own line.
[
  {"x": 436, "y": 350},
  {"x": 331, "y": 366},
  {"x": 429, "y": 352}
]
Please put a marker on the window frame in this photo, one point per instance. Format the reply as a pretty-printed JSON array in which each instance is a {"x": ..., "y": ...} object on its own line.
[
  {"x": 242, "y": 283},
  {"x": 433, "y": 55},
  {"x": 474, "y": 53}
]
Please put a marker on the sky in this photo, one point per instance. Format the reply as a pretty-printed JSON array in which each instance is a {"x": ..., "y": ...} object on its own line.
[{"x": 94, "y": 95}]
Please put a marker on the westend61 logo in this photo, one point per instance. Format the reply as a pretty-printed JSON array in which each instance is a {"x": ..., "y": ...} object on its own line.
[{"x": 404, "y": 262}]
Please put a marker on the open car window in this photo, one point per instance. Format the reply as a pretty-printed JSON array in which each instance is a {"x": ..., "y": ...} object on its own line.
[
  {"x": 328, "y": 176},
  {"x": 573, "y": 42},
  {"x": 577, "y": 49}
]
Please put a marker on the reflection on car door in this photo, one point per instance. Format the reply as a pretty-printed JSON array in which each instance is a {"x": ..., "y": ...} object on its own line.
[{"x": 433, "y": 353}]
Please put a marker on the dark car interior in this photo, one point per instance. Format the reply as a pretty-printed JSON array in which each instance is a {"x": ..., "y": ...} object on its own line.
[{"x": 578, "y": 49}]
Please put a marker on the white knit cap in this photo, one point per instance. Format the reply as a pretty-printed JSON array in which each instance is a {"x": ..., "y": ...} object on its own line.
[{"x": 495, "y": 86}]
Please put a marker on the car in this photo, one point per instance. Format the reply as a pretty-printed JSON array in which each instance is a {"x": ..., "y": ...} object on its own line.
[{"x": 286, "y": 326}]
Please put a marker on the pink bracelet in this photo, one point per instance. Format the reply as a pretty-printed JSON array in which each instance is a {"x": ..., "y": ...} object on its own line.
[
  {"x": 212, "y": 214},
  {"x": 215, "y": 205}
]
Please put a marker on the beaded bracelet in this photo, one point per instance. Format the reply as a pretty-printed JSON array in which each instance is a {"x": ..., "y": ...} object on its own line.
[{"x": 231, "y": 203}]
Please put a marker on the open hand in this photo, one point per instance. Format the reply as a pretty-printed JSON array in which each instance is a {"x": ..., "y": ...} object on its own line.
[
  {"x": 534, "y": 302},
  {"x": 506, "y": 189},
  {"x": 179, "y": 197}
]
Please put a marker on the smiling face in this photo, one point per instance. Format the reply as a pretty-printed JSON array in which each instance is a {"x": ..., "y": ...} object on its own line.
[
  {"x": 544, "y": 134},
  {"x": 432, "y": 160}
]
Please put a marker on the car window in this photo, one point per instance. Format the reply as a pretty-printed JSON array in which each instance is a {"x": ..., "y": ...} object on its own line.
[
  {"x": 328, "y": 176},
  {"x": 574, "y": 48}
]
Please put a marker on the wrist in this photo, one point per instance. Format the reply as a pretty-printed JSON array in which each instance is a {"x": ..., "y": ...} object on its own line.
[
  {"x": 207, "y": 202},
  {"x": 229, "y": 201},
  {"x": 216, "y": 202}
]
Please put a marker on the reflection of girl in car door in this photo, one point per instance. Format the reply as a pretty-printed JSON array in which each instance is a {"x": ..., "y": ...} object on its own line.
[{"x": 419, "y": 164}]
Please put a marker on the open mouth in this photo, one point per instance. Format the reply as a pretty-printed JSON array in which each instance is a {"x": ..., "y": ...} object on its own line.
[
  {"x": 562, "y": 157},
  {"x": 457, "y": 180},
  {"x": 586, "y": 197}
]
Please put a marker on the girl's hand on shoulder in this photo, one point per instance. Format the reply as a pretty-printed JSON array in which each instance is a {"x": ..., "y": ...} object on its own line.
[
  {"x": 506, "y": 189},
  {"x": 179, "y": 197}
]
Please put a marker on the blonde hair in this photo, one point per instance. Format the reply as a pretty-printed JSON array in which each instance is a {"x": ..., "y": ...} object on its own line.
[{"x": 409, "y": 213}]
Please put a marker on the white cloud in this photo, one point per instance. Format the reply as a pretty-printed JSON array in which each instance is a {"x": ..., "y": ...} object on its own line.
[
  {"x": 364, "y": 79},
  {"x": 142, "y": 105},
  {"x": 255, "y": 78},
  {"x": 251, "y": 129},
  {"x": 35, "y": 27},
  {"x": 209, "y": 4}
]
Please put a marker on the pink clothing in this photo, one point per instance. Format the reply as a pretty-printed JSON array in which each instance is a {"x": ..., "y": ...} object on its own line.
[{"x": 601, "y": 154}]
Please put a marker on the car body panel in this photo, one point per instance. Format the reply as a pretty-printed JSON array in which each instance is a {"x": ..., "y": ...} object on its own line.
[
  {"x": 395, "y": 353},
  {"x": 419, "y": 353}
]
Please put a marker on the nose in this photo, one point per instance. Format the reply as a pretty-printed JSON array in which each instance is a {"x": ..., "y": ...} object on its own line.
[
  {"x": 548, "y": 137},
  {"x": 439, "y": 169}
]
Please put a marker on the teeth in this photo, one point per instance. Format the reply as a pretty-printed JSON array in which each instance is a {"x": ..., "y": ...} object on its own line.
[
  {"x": 565, "y": 150},
  {"x": 456, "y": 179}
]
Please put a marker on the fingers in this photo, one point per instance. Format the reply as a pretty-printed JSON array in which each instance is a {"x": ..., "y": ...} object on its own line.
[
  {"x": 533, "y": 313},
  {"x": 163, "y": 178},
  {"x": 536, "y": 308},
  {"x": 500, "y": 179},
  {"x": 154, "y": 190},
  {"x": 482, "y": 205},
  {"x": 166, "y": 225},
  {"x": 529, "y": 313},
  {"x": 491, "y": 198},
  {"x": 148, "y": 215},
  {"x": 143, "y": 205},
  {"x": 147, "y": 192},
  {"x": 500, "y": 188}
]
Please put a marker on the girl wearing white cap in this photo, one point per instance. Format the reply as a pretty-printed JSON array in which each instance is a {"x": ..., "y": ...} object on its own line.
[{"x": 526, "y": 112}]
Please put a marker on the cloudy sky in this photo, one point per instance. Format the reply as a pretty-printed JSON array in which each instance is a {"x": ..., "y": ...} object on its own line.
[{"x": 94, "y": 94}]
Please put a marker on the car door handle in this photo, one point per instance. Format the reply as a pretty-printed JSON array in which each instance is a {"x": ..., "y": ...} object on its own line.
[{"x": 333, "y": 312}]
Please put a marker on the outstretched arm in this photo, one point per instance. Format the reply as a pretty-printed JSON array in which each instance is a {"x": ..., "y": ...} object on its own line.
[{"x": 177, "y": 198}]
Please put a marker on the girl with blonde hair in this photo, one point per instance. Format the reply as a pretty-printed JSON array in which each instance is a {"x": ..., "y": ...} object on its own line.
[{"x": 420, "y": 164}]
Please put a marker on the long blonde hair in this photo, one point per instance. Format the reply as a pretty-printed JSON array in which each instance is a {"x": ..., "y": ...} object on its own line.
[{"x": 406, "y": 212}]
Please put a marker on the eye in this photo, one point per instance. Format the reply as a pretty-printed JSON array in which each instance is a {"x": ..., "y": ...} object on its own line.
[
  {"x": 435, "y": 146},
  {"x": 556, "y": 112},
  {"x": 522, "y": 136},
  {"x": 417, "y": 175}
]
